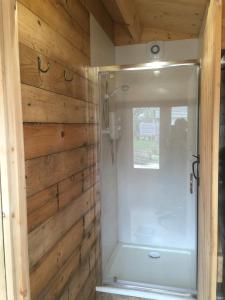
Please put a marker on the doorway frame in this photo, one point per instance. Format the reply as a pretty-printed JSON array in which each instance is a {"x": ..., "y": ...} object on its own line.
[
  {"x": 12, "y": 162},
  {"x": 209, "y": 93}
]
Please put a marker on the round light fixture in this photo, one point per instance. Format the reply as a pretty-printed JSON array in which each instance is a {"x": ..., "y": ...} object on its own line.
[{"x": 155, "y": 49}]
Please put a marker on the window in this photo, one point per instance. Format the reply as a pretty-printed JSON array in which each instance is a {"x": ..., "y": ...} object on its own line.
[
  {"x": 178, "y": 112},
  {"x": 146, "y": 124}
]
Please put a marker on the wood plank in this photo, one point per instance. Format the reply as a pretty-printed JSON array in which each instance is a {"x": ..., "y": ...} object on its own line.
[
  {"x": 93, "y": 112},
  {"x": 47, "y": 107},
  {"x": 94, "y": 133},
  {"x": 65, "y": 295},
  {"x": 101, "y": 15},
  {"x": 89, "y": 177},
  {"x": 130, "y": 17},
  {"x": 53, "y": 261},
  {"x": 42, "y": 239},
  {"x": 58, "y": 283},
  {"x": 36, "y": 34},
  {"x": 51, "y": 12},
  {"x": 29, "y": 72},
  {"x": 42, "y": 214},
  {"x": 151, "y": 34},
  {"x": 92, "y": 155},
  {"x": 223, "y": 25},
  {"x": 97, "y": 209},
  {"x": 89, "y": 218},
  {"x": 76, "y": 86},
  {"x": 182, "y": 16},
  {"x": 148, "y": 35},
  {"x": 78, "y": 280},
  {"x": 78, "y": 12},
  {"x": 89, "y": 287},
  {"x": 45, "y": 139},
  {"x": 12, "y": 169},
  {"x": 70, "y": 189},
  {"x": 113, "y": 10},
  {"x": 45, "y": 171},
  {"x": 3, "y": 290},
  {"x": 209, "y": 149},
  {"x": 87, "y": 243},
  {"x": 92, "y": 295},
  {"x": 92, "y": 257},
  {"x": 40, "y": 199}
]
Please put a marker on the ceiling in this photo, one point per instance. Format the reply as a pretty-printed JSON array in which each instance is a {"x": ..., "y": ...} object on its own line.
[{"x": 136, "y": 21}]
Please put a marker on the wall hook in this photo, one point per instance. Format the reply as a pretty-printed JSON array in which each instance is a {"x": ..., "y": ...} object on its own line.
[
  {"x": 40, "y": 68},
  {"x": 66, "y": 76}
]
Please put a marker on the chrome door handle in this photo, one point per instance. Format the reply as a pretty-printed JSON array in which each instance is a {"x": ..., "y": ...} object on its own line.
[
  {"x": 195, "y": 166},
  {"x": 191, "y": 183}
]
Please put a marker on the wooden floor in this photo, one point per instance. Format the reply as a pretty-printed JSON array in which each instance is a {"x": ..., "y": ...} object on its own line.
[{"x": 105, "y": 296}]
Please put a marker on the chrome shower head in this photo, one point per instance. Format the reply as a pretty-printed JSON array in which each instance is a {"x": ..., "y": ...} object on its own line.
[{"x": 125, "y": 88}]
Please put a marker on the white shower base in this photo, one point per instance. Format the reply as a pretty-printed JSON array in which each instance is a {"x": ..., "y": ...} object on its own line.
[{"x": 131, "y": 266}]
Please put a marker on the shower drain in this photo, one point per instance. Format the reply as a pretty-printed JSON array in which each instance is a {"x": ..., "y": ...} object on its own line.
[{"x": 154, "y": 254}]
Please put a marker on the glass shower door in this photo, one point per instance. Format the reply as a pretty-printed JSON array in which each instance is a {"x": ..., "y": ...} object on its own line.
[{"x": 156, "y": 192}]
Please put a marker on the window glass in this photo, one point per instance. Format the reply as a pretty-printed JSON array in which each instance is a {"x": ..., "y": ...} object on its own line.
[
  {"x": 146, "y": 128},
  {"x": 179, "y": 112}
]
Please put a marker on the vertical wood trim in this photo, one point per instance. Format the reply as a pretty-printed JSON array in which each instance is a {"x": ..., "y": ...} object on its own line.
[
  {"x": 209, "y": 150},
  {"x": 12, "y": 157},
  {"x": 2, "y": 257}
]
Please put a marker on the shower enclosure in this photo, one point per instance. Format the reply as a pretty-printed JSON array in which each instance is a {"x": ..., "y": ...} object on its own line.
[{"x": 149, "y": 145}]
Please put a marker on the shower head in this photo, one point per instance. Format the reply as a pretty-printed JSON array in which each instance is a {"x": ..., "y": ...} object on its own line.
[
  {"x": 106, "y": 104},
  {"x": 124, "y": 88}
]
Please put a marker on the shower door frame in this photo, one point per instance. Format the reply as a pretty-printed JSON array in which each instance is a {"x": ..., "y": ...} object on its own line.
[{"x": 156, "y": 66}]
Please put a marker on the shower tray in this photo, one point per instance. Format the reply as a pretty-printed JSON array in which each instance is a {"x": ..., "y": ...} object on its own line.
[{"x": 167, "y": 273}]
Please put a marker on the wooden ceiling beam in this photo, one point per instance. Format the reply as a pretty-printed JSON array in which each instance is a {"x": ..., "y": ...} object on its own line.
[
  {"x": 101, "y": 15},
  {"x": 148, "y": 35},
  {"x": 130, "y": 17}
]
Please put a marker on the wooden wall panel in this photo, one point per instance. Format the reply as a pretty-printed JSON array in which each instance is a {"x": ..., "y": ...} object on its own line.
[
  {"x": 76, "y": 86},
  {"x": 46, "y": 107},
  {"x": 209, "y": 151},
  {"x": 60, "y": 113},
  {"x": 38, "y": 35},
  {"x": 45, "y": 139},
  {"x": 51, "y": 12}
]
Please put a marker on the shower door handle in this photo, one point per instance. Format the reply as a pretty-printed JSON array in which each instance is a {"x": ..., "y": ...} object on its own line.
[
  {"x": 191, "y": 183},
  {"x": 195, "y": 166}
]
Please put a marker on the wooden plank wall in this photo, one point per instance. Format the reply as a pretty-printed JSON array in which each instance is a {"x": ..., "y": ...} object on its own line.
[
  {"x": 209, "y": 150},
  {"x": 61, "y": 149}
]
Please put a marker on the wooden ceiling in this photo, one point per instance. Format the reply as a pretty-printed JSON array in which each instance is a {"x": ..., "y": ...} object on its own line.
[{"x": 140, "y": 21}]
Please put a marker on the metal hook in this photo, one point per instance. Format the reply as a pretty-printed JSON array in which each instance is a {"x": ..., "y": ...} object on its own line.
[
  {"x": 65, "y": 76},
  {"x": 39, "y": 66}
]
